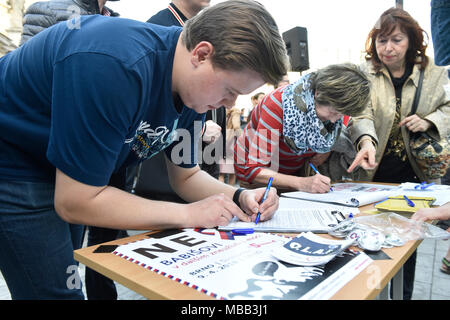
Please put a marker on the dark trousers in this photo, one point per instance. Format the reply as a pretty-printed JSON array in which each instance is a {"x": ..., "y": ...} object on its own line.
[
  {"x": 409, "y": 271},
  {"x": 36, "y": 245},
  {"x": 99, "y": 287}
]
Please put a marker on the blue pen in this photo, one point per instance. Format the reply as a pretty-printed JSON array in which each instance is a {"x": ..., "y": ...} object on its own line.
[
  {"x": 264, "y": 198},
  {"x": 426, "y": 186},
  {"x": 317, "y": 171},
  {"x": 410, "y": 203},
  {"x": 243, "y": 231},
  {"x": 420, "y": 185}
]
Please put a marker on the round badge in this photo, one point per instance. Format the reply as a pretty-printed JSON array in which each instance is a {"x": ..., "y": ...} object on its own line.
[
  {"x": 337, "y": 234},
  {"x": 371, "y": 240},
  {"x": 394, "y": 240},
  {"x": 344, "y": 226},
  {"x": 355, "y": 234}
]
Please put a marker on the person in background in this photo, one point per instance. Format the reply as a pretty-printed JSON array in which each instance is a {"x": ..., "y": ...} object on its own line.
[
  {"x": 178, "y": 12},
  {"x": 283, "y": 82},
  {"x": 296, "y": 124},
  {"x": 255, "y": 99},
  {"x": 395, "y": 54},
  {"x": 440, "y": 32},
  {"x": 43, "y": 14},
  {"x": 233, "y": 131},
  {"x": 79, "y": 126}
]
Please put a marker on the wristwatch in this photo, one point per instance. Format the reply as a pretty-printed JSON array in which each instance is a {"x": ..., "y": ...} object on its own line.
[{"x": 236, "y": 195}]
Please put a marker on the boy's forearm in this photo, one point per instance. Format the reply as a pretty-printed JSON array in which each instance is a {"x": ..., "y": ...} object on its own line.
[{"x": 201, "y": 185}]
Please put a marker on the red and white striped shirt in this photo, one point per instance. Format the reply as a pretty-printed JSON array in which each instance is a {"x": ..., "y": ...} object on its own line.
[{"x": 262, "y": 145}]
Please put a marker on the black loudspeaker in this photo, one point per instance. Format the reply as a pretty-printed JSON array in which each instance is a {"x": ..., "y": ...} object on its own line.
[{"x": 296, "y": 41}]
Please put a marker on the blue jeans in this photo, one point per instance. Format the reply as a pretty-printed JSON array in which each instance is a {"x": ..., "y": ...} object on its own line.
[
  {"x": 36, "y": 245},
  {"x": 440, "y": 31}
]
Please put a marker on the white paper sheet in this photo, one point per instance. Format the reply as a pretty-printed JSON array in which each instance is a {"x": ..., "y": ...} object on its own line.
[
  {"x": 295, "y": 215},
  {"x": 347, "y": 194}
]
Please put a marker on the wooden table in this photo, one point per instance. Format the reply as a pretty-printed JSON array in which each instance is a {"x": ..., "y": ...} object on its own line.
[{"x": 368, "y": 284}]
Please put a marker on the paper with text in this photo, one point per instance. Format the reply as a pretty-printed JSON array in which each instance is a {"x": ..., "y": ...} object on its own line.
[{"x": 348, "y": 194}]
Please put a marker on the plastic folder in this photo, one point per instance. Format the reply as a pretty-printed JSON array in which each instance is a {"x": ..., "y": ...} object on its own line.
[{"x": 399, "y": 204}]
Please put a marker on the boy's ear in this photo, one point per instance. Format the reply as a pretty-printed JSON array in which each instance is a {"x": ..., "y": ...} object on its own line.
[{"x": 202, "y": 52}]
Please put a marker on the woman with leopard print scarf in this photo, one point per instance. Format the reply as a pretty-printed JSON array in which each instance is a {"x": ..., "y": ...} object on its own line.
[{"x": 297, "y": 124}]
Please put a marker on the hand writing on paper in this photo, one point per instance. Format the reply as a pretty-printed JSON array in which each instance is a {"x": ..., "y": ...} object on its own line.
[
  {"x": 415, "y": 124},
  {"x": 213, "y": 211},
  {"x": 365, "y": 157},
  {"x": 250, "y": 201},
  {"x": 315, "y": 184}
]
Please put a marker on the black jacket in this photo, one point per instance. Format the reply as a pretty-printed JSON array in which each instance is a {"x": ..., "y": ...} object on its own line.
[{"x": 44, "y": 14}]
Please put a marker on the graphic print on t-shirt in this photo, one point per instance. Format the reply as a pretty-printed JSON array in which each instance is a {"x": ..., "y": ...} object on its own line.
[{"x": 147, "y": 141}]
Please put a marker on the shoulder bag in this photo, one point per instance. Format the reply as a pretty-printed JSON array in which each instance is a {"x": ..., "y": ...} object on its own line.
[{"x": 431, "y": 155}]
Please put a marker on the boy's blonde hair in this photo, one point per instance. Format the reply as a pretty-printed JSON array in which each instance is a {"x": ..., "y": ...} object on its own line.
[{"x": 244, "y": 36}]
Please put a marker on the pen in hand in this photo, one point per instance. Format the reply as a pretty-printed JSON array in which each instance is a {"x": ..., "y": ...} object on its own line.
[
  {"x": 258, "y": 216},
  {"x": 317, "y": 172}
]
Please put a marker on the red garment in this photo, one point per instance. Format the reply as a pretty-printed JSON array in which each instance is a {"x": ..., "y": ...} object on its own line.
[
  {"x": 106, "y": 12},
  {"x": 263, "y": 133},
  {"x": 346, "y": 120}
]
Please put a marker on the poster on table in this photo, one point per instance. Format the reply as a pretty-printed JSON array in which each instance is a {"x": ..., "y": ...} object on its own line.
[{"x": 225, "y": 265}]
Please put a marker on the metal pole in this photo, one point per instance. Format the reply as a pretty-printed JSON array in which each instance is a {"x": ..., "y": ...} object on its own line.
[{"x": 399, "y": 4}]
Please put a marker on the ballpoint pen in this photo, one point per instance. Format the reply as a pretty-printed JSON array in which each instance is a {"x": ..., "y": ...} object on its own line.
[
  {"x": 317, "y": 171},
  {"x": 420, "y": 185},
  {"x": 410, "y": 203},
  {"x": 264, "y": 198},
  {"x": 243, "y": 231},
  {"x": 426, "y": 186},
  {"x": 423, "y": 185}
]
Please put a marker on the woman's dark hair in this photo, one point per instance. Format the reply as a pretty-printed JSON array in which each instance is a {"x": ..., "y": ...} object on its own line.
[{"x": 386, "y": 24}]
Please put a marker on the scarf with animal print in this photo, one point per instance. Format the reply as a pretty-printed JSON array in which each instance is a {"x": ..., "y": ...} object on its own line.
[{"x": 302, "y": 130}]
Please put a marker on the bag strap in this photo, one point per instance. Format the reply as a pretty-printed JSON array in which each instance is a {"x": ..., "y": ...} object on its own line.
[{"x": 417, "y": 94}]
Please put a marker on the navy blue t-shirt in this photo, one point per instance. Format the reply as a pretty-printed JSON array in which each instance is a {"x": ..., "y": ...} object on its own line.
[
  {"x": 91, "y": 101},
  {"x": 166, "y": 18}
]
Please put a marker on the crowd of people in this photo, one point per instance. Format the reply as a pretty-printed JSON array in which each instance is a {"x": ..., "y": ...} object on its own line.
[{"x": 133, "y": 125}]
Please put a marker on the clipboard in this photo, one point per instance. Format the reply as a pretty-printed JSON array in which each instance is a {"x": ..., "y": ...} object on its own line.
[{"x": 399, "y": 204}]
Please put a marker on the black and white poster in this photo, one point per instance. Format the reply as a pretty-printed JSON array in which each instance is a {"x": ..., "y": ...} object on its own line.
[{"x": 228, "y": 266}]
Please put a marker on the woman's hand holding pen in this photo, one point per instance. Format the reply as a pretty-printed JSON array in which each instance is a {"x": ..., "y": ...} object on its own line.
[{"x": 315, "y": 184}]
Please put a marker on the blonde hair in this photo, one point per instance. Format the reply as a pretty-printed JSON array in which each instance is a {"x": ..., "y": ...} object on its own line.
[
  {"x": 244, "y": 35},
  {"x": 342, "y": 86}
]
